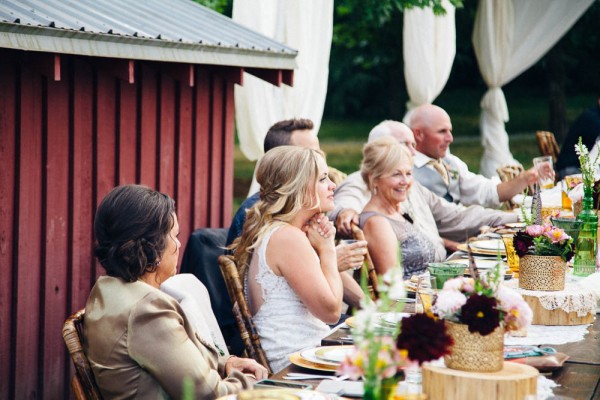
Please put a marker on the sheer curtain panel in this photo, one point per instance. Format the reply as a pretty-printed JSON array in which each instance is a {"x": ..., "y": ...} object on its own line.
[
  {"x": 429, "y": 47},
  {"x": 305, "y": 25},
  {"x": 510, "y": 36}
]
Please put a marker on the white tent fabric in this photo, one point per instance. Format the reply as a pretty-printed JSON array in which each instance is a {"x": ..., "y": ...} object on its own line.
[
  {"x": 307, "y": 26},
  {"x": 429, "y": 47},
  {"x": 510, "y": 36}
]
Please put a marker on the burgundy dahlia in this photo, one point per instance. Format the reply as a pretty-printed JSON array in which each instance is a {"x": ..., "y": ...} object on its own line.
[
  {"x": 481, "y": 314},
  {"x": 424, "y": 338},
  {"x": 522, "y": 243}
]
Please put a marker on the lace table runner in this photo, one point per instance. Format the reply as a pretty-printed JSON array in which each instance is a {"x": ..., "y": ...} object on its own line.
[
  {"x": 549, "y": 334},
  {"x": 580, "y": 295}
]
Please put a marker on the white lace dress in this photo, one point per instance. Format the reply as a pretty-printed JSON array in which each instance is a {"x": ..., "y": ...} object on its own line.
[{"x": 283, "y": 322}]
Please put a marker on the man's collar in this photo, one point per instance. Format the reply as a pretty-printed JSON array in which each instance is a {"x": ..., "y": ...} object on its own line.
[{"x": 421, "y": 159}]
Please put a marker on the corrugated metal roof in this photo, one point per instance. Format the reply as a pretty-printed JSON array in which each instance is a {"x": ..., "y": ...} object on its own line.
[{"x": 162, "y": 30}]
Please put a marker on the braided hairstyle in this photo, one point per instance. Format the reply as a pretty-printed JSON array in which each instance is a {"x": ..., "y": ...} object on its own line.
[
  {"x": 131, "y": 226},
  {"x": 286, "y": 175}
]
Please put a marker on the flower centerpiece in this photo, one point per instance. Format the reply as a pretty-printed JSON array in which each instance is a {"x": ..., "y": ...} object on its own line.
[
  {"x": 383, "y": 350},
  {"x": 478, "y": 311},
  {"x": 543, "y": 251}
]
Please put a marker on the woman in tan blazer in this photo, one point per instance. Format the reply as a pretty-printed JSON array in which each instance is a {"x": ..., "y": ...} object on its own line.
[{"x": 137, "y": 338}]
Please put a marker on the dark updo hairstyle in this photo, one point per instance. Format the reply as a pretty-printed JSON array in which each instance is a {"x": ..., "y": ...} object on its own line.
[{"x": 131, "y": 226}]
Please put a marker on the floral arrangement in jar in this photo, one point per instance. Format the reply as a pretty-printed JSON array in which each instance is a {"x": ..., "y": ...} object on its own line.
[
  {"x": 383, "y": 350},
  {"x": 543, "y": 240},
  {"x": 482, "y": 304}
]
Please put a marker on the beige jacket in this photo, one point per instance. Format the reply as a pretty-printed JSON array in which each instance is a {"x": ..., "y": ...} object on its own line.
[{"x": 141, "y": 345}]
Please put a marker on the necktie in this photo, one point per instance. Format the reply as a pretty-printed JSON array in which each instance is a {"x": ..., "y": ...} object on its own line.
[{"x": 441, "y": 168}]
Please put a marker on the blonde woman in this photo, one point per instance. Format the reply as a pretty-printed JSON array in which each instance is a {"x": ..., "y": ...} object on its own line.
[
  {"x": 286, "y": 253},
  {"x": 387, "y": 170}
]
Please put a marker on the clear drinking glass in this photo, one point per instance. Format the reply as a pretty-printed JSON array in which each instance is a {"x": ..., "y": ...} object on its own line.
[
  {"x": 545, "y": 168},
  {"x": 347, "y": 242},
  {"x": 426, "y": 287}
]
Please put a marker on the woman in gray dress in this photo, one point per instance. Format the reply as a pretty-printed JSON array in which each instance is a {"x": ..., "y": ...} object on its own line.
[{"x": 387, "y": 170}]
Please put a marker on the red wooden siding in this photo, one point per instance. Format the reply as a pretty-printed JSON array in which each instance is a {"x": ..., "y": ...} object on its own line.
[{"x": 63, "y": 145}]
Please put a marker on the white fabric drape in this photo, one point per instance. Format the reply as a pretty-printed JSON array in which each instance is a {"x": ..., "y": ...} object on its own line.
[
  {"x": 510, "y": 36},
  {"x": 305, "y": 25},
  {"x": 429, "y": 47}
]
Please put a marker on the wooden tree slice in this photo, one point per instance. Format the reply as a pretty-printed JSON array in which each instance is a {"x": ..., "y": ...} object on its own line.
[
  {"x": 514, "y": 381},
  {"x": 542, "y": 316}
]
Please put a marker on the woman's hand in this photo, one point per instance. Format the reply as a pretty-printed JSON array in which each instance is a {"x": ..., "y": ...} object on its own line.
[
  {"x": 351, "y": 256},
  {"x": 320, "y": 232},
  {"x": 247, "y": 366}
]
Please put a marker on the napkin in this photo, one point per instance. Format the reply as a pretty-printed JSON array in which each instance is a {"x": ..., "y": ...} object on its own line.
[{"x": 342, "y": 388}]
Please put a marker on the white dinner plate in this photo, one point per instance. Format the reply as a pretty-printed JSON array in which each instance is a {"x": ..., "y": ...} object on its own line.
[
  {"x": 492, "y": 244},
  {"x": 334, "y": 354},
  {"x": 311, "y": 355}
]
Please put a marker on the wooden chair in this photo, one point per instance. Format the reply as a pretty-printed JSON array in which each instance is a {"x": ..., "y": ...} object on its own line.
[
  {"x": 547, "y": 144},
  {"x": 241, "y": 311},
  {"x": 507, "y": 173},
  {"x": 83, "y": 383},
  {"x": 358, "y": 234}
]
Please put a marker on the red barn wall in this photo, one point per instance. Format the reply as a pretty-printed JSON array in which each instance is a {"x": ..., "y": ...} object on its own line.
[{"x": 63, "y": 145}]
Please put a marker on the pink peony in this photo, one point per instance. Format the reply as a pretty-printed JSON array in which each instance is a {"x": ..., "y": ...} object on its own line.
[
  {"x": 458, "y": 283},
  {"x": 534, "y": 230},
  {"x": 448, "y": 302}
]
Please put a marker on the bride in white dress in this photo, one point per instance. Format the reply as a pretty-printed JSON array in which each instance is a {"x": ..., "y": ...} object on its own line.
[{"x": 286, "y": 254}]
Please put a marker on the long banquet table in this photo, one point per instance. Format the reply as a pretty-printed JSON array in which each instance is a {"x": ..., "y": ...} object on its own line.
[{"x": 579, "y": 378}]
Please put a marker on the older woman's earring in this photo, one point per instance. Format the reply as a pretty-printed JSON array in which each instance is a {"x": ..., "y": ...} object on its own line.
[{"x": 375, "y": 190}]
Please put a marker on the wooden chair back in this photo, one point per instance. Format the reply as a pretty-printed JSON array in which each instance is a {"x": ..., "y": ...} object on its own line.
[
  {"x": 83, "y": 383},
  {"x": 241, "y": 311},
  {"x": 547, "y": 144},
  {"x": 507, "y": 173},
  {"x": 358, "y": 234}
]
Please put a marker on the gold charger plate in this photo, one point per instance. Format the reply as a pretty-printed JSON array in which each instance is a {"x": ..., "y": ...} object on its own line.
[
  {"x": 477, "y": 250},
  {"x": 298, "y": 360}
]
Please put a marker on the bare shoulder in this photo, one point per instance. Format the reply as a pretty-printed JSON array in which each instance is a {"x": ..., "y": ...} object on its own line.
[
  {"x": 289, "y": 236},
  {"x": 376, "y": 221}
]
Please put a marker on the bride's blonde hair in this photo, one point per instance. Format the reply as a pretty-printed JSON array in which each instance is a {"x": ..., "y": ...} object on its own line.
[{"x": 286, "y": 175}]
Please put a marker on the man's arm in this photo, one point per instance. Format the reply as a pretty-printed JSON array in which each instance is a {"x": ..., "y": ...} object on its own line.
[
  {"x": 507, "y": 190},
  {"x": 457, "y": 223},
  {"x": 350, "y": 198}
]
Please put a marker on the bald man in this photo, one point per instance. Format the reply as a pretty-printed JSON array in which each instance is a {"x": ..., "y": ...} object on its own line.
[
  {"x": 448, "y": 176},
  {"x": 444, "y": 223}
]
